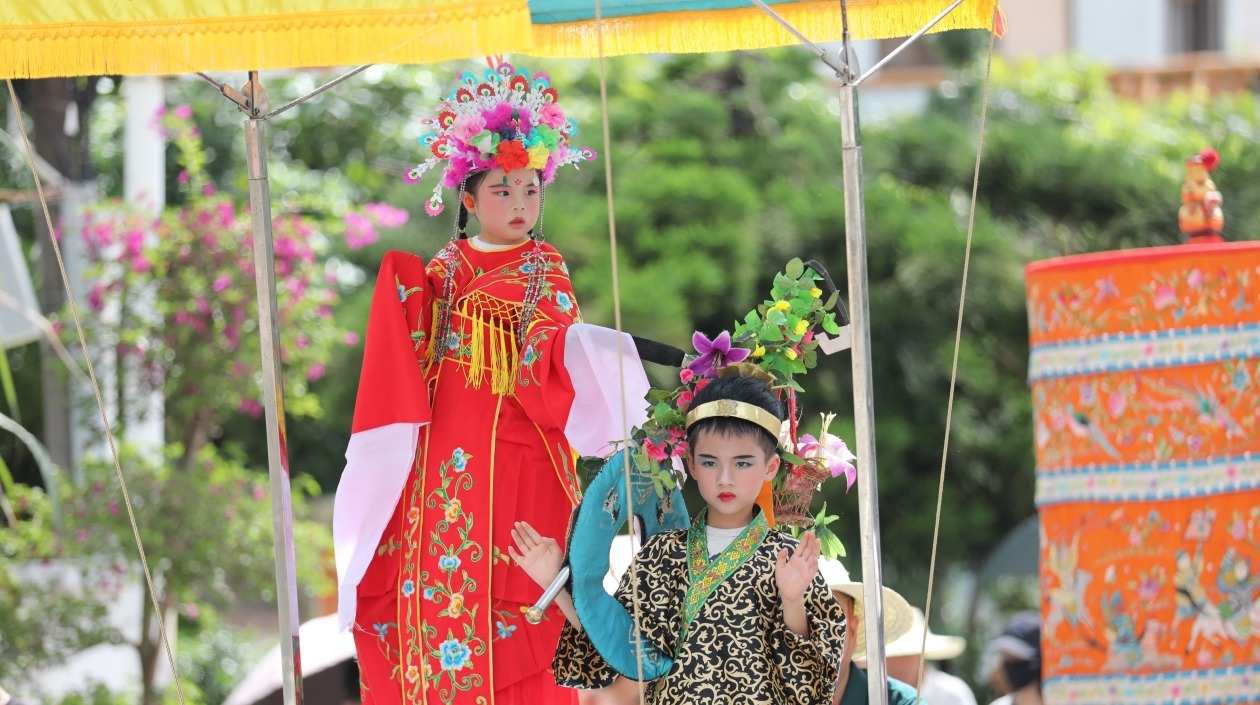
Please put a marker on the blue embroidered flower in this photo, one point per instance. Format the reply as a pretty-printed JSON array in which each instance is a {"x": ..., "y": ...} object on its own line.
[
  {"x": 564, "y": 268},
  {"x": 448, "y": 563},
  {"x": 454, "y": 655},
  {"x": 452, "y": 341},
  {"x": 504, "y": 630},
  {"x": 530, "y": 356},
  {"x": 381, "y": 630},
  {"x": 1241, "y": 380},
  {"x": 527, "y": 268},
  {"x": 428, "y": 593},
  {"x": 408, "y": 588},
  {"x": 458, "y": 458},
  {"x": 564, "y": 302}
]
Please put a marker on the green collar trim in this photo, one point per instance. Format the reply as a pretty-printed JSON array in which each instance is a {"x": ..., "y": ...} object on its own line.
[{"x": 706, "y": 576}]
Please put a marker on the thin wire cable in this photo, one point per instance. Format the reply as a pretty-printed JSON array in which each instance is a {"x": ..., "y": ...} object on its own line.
[
  {"x": 953, "y": 374},
  {"x": 626, "y": 465},
  {"x": 96, "y": 389}
]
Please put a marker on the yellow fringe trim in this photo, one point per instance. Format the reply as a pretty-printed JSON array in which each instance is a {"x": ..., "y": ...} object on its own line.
[
  {"x": 393, "y": 36},
  {"x": 750, "y": 28},
  {"x": 493, "y": 350}
]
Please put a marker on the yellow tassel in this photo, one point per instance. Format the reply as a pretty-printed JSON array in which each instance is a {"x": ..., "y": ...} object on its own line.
[
  {"x": 750, "y": 28},
  {"x": 477, "y": 361},
  {"x": 504, "y": 363},
  {"x": 59, "y": 38}
]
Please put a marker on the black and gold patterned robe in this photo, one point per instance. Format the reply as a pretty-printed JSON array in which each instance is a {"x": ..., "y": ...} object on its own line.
[{"x": 737, "y": 648}]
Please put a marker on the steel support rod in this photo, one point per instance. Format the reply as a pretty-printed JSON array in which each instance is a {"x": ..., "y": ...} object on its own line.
[
  {"x": 863, "y": 396},
  {"x": 273, "y": 403}
]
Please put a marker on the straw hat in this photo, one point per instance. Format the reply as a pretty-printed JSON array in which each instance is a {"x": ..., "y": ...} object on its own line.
[
  {"x": 938, "y": 648},
  {"x": 898, "y": 618}
]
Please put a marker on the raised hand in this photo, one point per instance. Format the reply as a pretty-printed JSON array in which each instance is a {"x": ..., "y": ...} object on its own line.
[
  {"x": 793, "y": 575},
  {"x": 540, "y": 557}
]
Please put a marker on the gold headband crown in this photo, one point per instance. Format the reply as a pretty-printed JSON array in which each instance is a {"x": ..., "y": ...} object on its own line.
[{"x": 736, "y": 409}]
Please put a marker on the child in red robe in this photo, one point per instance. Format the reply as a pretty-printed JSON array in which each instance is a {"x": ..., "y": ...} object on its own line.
[{"x": 480, "y": 387}]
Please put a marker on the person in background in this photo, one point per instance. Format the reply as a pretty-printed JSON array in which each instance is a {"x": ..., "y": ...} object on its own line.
[
  {"x": 851, "y": 685},
  {"x": 904, "y": 655},
  {"x": 1020, "y": 650}
]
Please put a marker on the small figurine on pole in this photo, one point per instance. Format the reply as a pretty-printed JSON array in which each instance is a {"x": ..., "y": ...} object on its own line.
[{"x": 1200, "y": 217}]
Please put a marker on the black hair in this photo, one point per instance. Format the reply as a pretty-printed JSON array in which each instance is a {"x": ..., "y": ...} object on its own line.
[
  {"x": 470, "y": 186},
  {"x": 749, "y": 390}
]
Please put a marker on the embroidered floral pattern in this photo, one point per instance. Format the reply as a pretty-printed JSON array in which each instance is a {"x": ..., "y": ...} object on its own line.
[{"x": 449, "y": 539}]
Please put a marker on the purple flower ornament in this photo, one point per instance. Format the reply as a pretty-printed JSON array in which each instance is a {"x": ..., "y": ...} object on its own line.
[{"x": 714, "y": 354}]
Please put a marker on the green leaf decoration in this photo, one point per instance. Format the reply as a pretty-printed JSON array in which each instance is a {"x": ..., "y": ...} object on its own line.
[
  {"x": 831, "y": 300},
  {"x": 771, "y": 333},
  {"x": 795, "y": 268},
  {"x": 753, "y": 318},
  {"x": 791, "y": 458},
  {"x": 811, "y": 360},
  {"x": 776, "y": 317},
  {"x": 829, "y": 324}
]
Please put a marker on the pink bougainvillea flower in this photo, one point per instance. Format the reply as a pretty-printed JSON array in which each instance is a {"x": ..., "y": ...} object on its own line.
[
  {"x": 183, "y": 112},
  {"x": 360, "y": 231},
  {"x": 315, "y": 372},
  {"x": 351, "y": 338},
  {"x": 251, "y": 407},
  {"x": 386, "y": 216},
  {"x": 222, "y": 282},
  {"x": 714, "y": 354}
]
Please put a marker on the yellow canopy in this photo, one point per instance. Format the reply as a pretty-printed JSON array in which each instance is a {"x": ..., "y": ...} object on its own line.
[
  {"x": 42, "y": 38},
  {"x": 727, "y": 25}
]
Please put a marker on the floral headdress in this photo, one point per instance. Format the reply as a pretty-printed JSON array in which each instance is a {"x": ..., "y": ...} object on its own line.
[{"x": 505, "y": 120}]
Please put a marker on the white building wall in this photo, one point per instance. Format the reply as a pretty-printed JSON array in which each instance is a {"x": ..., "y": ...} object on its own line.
[
  {"x": 1241, "y": 35},
  {"x": 1121, "y": 32}
]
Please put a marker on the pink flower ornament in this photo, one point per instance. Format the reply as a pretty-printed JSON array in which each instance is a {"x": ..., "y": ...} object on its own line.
[
  {"x": 833, "y": 451},
  {"x": 551, "y": 115},
  {"x": 467, "y": 127}
]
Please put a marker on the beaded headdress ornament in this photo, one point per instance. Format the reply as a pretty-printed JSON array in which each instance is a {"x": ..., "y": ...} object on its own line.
[
  {"x": 506, "y": 120},
  {"x": 503, "y": 120}
]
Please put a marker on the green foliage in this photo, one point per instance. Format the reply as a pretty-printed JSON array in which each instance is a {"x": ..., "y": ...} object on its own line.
[
  {"x": 44, "y": 618},
  {"x": 726, "y": 162},
  {"x": 211, "y": 664},
  {"x": 207, "y": 532}
]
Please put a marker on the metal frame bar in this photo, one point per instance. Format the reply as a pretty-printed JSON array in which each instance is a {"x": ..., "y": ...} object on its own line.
[
  {"x": 859, "y": 311},
  {"x": 252, "y": 100}
]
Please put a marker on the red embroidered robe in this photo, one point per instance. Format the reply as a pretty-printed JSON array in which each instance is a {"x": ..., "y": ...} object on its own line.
[{"x": 439, "y": 609}]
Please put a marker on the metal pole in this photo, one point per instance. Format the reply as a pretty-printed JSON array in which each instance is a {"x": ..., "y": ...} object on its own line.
[
  {"x": 273, "y": 401},
  {"x": 863, "y": 386}
]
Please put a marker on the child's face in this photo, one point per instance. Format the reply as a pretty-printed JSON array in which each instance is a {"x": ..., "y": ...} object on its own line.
[
  {"x": 506, "y": 205},
  {"x": 730, "y": 469}
]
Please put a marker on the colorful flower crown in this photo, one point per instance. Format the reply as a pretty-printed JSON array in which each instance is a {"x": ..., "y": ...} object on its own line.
[{"x": 506, "y": 120}]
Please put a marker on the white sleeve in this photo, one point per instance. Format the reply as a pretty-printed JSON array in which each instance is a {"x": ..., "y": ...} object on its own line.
[
  {"x": 598, "y": 418},
  {"x": 378, "y": 462}
]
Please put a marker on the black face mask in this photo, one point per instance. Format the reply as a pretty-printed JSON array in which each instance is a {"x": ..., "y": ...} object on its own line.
[{"x": 1021, "y": 673}]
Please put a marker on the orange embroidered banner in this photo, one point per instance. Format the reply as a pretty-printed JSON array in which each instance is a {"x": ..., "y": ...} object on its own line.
[{"x": 1145, "y": 374}]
